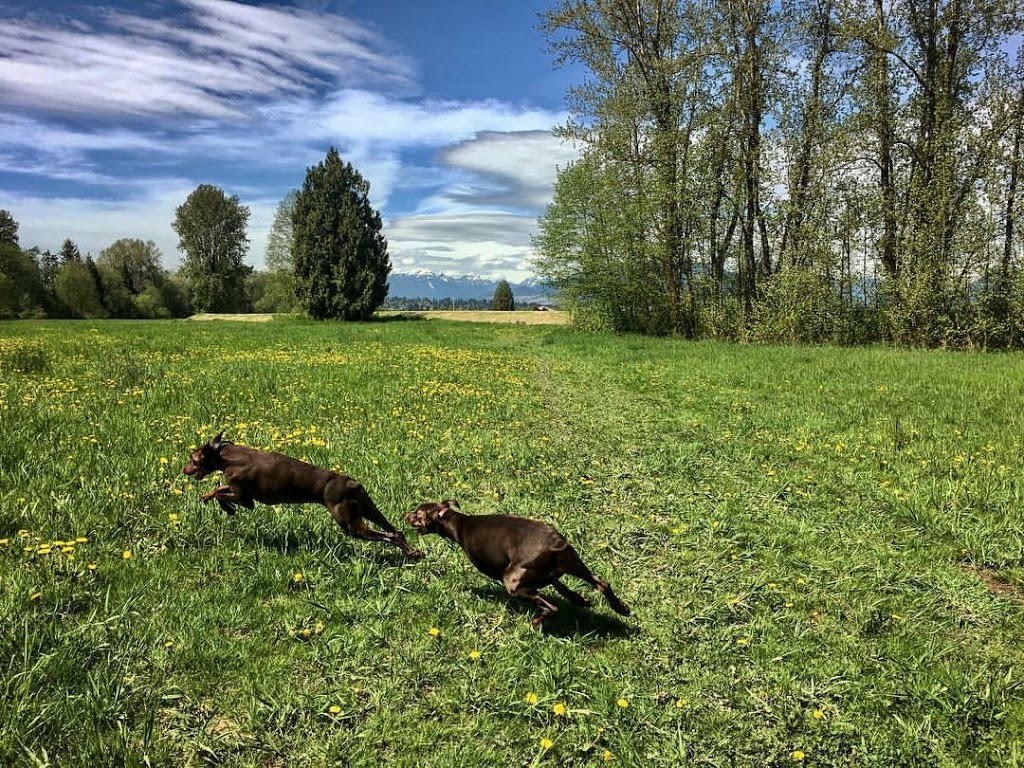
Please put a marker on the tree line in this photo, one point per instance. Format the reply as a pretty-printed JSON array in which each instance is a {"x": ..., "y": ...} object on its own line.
[
  {"x": 805, "y": 170},
  {"x": 326, "y": 256}
]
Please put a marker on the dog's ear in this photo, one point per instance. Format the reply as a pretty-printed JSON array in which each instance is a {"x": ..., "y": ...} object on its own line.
[
  {"x": 451, "y": 504},
  {"x": 217, "y": 442}
]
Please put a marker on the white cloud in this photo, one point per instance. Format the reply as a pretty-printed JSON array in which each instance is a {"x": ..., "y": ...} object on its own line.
[{"x": 213, "y": 63}]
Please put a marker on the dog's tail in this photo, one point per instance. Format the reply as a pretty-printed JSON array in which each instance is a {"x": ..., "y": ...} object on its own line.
[{"x": 613, "y": 600}]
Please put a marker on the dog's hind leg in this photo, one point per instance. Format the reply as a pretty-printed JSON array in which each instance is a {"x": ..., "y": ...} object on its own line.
[
  {"x": 513, "y": 581},
  {"x": 346, "y": 513},
  {"x": 575, "y": 566},
  {"x": 571, "y": 595}
]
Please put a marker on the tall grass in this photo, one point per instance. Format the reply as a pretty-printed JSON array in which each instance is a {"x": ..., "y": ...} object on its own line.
[{"x": 823, "y": 549}]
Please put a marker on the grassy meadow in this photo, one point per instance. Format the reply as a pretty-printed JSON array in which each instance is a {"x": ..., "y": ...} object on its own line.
[{"x": 823, "y": 550}]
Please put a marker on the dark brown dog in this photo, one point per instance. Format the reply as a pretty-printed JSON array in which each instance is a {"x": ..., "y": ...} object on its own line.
[
  {"x": 523, "y": 554},
  {"x": 272, "y": 478}
]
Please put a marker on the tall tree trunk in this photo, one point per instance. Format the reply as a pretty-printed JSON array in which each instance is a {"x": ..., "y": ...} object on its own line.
[{"x": 885, "y": 134}]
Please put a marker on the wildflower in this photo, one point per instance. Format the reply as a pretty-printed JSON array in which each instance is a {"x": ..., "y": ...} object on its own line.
[
  {"x": 474, "y": 655},
  {"x": 4, "y": 542},
  {"x": 298, "y": 578},
  {"x": 127, "y": 554},
  {"x": 531, "y": 698},
  {"x": 798, "y": 755},
  {"x": 169, "y": 644},
  {"x": 92, "y": 566},
  {"x": 622, "y": 703},
  {"x": 319, "y": 627},
  {"x": 546, "y": 743},
  {"x": 680, "y": 703},
  {"x": 35, "y": 596},
  {"x": 433, "y": 631},
  {"x": 334, "y": 709},
  {"x": 559, "y": 709},
  {"x": 607, "y": 756},
  {"x": 818, "y": 714}
]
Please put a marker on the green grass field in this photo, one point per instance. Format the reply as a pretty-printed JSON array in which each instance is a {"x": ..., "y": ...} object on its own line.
[{"x": 823, "y": 549}]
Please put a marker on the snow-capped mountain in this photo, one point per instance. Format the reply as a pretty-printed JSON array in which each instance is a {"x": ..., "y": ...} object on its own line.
[{"x": 429, "y": 285}]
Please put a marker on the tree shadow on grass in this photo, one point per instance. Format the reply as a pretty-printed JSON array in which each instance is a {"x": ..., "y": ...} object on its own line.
[{"x": 570, "y": 621}]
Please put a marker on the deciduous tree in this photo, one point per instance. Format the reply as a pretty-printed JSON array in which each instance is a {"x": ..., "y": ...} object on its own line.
[{"x": 211, "y": 228}]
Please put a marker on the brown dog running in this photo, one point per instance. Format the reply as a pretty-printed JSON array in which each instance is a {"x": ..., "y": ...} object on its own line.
[
  {"x": 523, "y": 554},
  {"x": 272, "y": 478}
]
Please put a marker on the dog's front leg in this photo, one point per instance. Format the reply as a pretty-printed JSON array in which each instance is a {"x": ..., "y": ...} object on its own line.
[{"x": 225, "y": 497}]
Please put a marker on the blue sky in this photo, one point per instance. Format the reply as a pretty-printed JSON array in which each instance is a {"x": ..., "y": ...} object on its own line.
[{"x": 111, "y": 113}]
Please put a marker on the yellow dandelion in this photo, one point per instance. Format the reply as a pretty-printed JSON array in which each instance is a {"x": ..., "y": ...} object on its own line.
[
  {"x": 433, "y": 631},
  {"x": 474, "y": 655},
  {"x": 35, "y": 596},
  {"x": 92, "y": 566},
  {"x": 818, "y": 714},
  {"x": 607, "y": 756},
  {"x": 680, "y": 703},
  {"x": 531, "y": 698},
  {"x": 127, "y": 554},
  {"x": 622, "y": 703},
  {"x": 334, "y": 709},
  {"x": 169, "y": 644},
  {"x": 298, "y": 578},
  {"x": 546, "y": 743},
  {"x": 798, "y": 755},
  {"x": 559, "y": 709},
  {"x": 319, "y": 627},
  {"x": 4, "y": 542}
]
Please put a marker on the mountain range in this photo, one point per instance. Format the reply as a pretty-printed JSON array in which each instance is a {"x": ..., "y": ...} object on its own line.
[{"x": 429, "y": 285}]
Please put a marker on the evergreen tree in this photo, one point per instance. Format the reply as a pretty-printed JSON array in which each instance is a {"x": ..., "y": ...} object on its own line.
[
  {"x": 503, "y": 300},
  {"x": 340, "y": 256},
  {"x": 69, "y": 252},
  {"x": 8, "y": 229}
]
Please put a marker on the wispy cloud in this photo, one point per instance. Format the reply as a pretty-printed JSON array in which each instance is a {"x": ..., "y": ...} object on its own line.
[{"x": 214, "y": 58}]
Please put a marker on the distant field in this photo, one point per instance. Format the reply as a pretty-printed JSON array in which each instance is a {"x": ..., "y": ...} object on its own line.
[
  {"x": 524, "y": 317},
  {"x": 823, "y": 549}
]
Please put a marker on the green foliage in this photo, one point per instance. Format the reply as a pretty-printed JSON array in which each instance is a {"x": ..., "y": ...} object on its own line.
[
  {"x": 8, "y": 229},
  {"x": 22, "y": 293},
  {"x": 592, "y": 250},
  {"x": 797, "y": 306},
  {"x": 340, "y": 256},
  {"x": 76, "y": 288},
  {"x": 813, "y": 542},
  {"x": 281, "y": 239},
  {"x": 211, "y": 229},
  {"x": 503, "y": 300}
]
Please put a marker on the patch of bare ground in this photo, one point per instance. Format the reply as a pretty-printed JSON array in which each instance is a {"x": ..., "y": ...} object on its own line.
[
  {"x": 995, "y": 583},
  {"x": 247, "y": 318}
]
